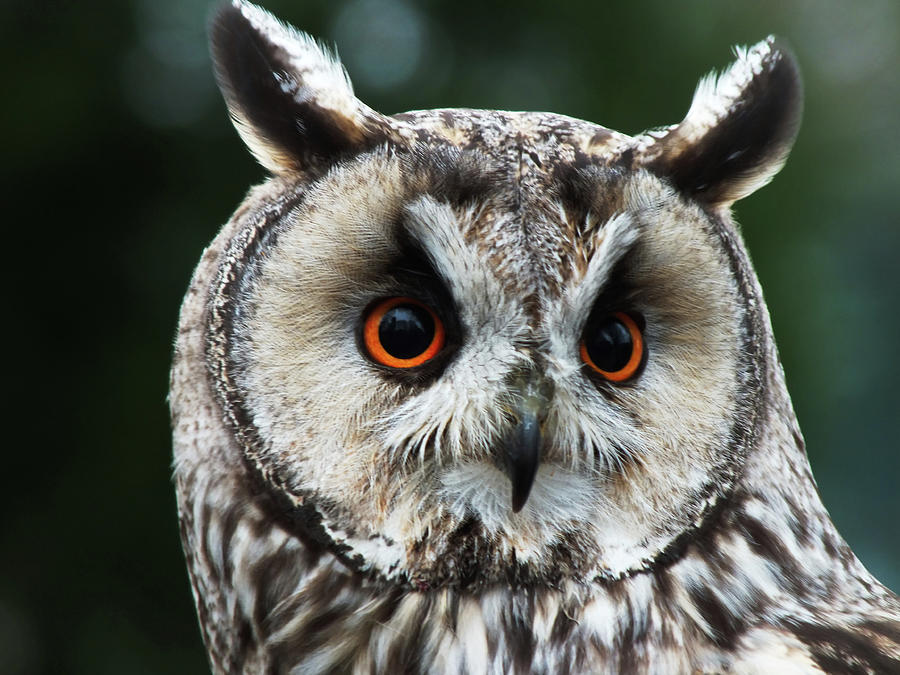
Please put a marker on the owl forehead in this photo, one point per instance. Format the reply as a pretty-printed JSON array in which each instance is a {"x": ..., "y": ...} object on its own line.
[
  {"x": 547, "y": 138},
  {"x": 532, "y": 190}
]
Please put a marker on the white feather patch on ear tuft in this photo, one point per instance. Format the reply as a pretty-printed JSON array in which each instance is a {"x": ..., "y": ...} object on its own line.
[
  {"x": 738, "y": 131},
  {"x": 311, "y": 62},
  {"x": 717, "y": 95},
  {"x": 289, "y": 97}
]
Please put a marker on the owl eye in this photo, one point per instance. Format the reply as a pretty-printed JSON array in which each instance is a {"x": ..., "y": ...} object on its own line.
[
  {"x": 401, "y": 332},
  {"x": 613, "y": 347}
]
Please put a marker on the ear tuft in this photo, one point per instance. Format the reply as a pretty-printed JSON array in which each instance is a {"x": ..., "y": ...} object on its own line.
[
  {"x": 739, "y": 129},
  {"x": 289, "y": 98}
]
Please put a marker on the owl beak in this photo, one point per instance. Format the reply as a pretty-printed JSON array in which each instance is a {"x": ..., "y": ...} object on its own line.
[{"x": 522, "y": 452}]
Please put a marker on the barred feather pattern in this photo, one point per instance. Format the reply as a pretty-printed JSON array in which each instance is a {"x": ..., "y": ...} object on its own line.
[
  {"x": 749, "y": 590},
  {"x": 341, "y": 517}
]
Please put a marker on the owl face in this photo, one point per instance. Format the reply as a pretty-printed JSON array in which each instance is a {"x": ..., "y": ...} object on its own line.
[{"x": 462, "y": 347}]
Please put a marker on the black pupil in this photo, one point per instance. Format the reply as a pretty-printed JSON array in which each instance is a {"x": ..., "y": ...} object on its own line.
[
  {"x": 405, "y": 331},
  {"x": 609, "y": 344}
]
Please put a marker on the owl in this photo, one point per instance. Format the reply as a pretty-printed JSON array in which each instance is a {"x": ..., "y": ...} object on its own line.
[{"x": 469, "y": 391}]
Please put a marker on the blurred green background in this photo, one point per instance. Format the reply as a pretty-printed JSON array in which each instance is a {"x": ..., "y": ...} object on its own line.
[{"x": 119, "y": 164}]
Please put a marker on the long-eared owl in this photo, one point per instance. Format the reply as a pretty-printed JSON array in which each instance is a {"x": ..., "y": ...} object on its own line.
[{"x": 470, "y": 391}]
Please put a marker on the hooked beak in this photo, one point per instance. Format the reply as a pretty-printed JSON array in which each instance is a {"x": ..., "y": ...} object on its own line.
[{"x": 522, "y": 447}]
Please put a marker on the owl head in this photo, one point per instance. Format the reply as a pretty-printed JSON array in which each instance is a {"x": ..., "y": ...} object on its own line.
[{"x": 466, "y": 346}]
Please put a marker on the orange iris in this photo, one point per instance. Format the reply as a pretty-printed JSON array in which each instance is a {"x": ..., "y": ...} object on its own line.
[
  {"x": 402, "y": 332},
  {"x": 614, "y": 347}
]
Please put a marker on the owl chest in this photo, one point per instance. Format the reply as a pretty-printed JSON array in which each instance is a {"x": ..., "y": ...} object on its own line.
[{"x": 329, "y": 620}]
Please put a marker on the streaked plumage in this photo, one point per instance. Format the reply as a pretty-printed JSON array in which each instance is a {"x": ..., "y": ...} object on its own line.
[{"x": 343, "y": 516}]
